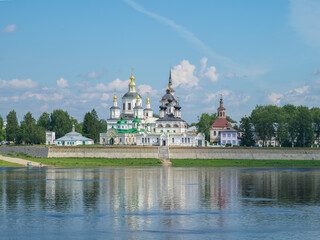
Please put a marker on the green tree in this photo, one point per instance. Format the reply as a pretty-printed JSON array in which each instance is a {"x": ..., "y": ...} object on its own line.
[
  {"x": 60, "y": 122},
  {"x": 102, "y": 126},
  {"x": 44, "y": 121},
  {"x": 205, "y": 122},
  {"x": 315, "y": 113},
  {"x": 88, "y": 128},
  {"x": 304, "y": 127},
  {"x": 264, "y": 120},
  {"x": 2, "y": 130},
  {"x": 246, "y": 129},
  {"x": 12, "y": 126},
  {"x": 22, "y": 134}
]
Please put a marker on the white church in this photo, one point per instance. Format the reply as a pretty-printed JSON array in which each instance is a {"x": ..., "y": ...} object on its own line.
[{"x": 136, "y": 125}]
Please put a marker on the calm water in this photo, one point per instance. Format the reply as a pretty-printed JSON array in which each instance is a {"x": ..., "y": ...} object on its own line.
[{"x": 159, "y": 203}]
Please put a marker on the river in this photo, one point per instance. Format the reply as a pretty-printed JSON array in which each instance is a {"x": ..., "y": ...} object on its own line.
[{"x": 159, "y": 203}]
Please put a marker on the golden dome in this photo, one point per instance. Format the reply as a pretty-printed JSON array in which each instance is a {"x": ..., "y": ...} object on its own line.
[
  {"x": 138, "y": 97},
  {"x": 148, "y": 99},
  {"x": 114, "y": 97},
  {"x": 132, "y": 80}
]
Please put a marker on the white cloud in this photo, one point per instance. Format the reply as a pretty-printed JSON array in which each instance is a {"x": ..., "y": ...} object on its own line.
[
  {"x": 184, "y": 75},
  {"x": 215, "y": 96},
  {"x": 62, "y": 83},
  {"x": 16, "y": 83},
  {"x": 4, "y": 99},
  {"x": 116, "y": 84},
  {"x": 44, "y": 107},
  {"x": 42, "y": 96},
  {"x": 94, "y": 74},
  {"x": 190, "y": 97},
  {"x": 11, "y": 28},
  {"x": 15, "y": 98},
  {"x": 144, "y": 89},
  {"x": 89, "y": 96},
  {"x": 104, "y": 105},
  {"x": 275, "y": 98},
  {"x": 208, "y": 72},
  {"x": 305, "y": 18},
  {"x": 105, "y": 97}
]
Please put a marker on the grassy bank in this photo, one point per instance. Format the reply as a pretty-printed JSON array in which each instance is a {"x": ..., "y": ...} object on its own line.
[
  {"x": 9, "y": 164},
  {"x": 244, "y": 163},
  {"x": 97, "y": 162}
]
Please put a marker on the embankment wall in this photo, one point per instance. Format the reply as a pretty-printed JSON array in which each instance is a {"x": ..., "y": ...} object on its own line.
[
  {"x": 245, "y": 153},
  {"x": 31, "y": 150},
  {"x": 103, "y": 152},
  {"x": 175, "y": 152}
]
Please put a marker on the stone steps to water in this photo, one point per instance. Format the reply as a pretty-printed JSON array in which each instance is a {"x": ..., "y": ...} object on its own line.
[{"x": 164, "y": 155}]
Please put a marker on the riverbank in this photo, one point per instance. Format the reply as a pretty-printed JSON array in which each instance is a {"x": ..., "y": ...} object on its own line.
[
  {"x": 98, "y": 162},
  {"x": 8, "y": 164},
  {"x": 101, "y": 162}
]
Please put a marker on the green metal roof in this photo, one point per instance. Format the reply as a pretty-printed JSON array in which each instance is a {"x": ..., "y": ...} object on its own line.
[{"x": 121, "y": 121}]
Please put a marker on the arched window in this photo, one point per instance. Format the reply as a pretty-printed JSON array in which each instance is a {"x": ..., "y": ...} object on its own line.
[
  {"x": 168, "y": 126},
  {"x": 176, "y": 126},
  {"x": 160, "y": 126}
]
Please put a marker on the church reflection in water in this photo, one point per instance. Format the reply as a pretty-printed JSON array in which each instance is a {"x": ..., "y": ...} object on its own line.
[{"x": 127, "y": 194}]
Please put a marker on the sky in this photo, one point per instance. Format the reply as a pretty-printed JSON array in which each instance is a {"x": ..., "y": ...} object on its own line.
[{"x": 72, "y": 55}]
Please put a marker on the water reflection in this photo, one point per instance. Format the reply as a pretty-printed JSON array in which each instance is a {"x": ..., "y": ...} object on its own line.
[{"x": 160, "y": 202}]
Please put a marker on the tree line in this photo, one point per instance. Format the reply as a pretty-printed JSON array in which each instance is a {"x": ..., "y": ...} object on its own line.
[
  {"x": 30, "y": 131},
  {"x": 289, "y": 125}
]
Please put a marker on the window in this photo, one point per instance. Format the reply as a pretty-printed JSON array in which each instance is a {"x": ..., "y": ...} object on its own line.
[
  {"x": 142, "y": 140},
  {"x": 168, "y": 126},
  {"x": 172, "y": 140},
  {"x": 233, "y": 134},
  {"x": 233, "y": 142},
  {"x": 224, "y": 141},
  {"x": 124, "y": 106},
  {"x": 229, "y": 141},
  {"x": 129, "y": 106},
  {"x": 168, "y": 131},
  {"x": 229, "y": 135},
  {"x": 174, "y": 131},
  {"x": 223, "y": 113},
  {"x": 214, "y": 133},
  {"x": 161, "y": 131},
  {"x": 147, "y": 114},
  {"x": 223, "y": 135},
  {"x": 148, "y": 140},
  {"x": 182, "y": 140},
  {"x": 188, "y": 140},
  {"x": 157, "y": 140}
]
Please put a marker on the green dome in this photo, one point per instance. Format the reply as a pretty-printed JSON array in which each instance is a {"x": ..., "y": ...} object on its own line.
[
  {"x": 121, "y": 121},
  {"x": 148, "y": 124},
  {"x": 136, "y": 120}
]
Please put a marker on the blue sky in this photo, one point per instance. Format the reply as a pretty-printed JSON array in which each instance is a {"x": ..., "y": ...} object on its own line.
[{"x": 73, "y": 54}]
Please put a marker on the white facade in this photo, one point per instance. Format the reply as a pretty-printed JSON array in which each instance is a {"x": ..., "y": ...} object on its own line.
[
  {"x": 184, "y": 140},
  {"x": 229, "y": 136},
  {"x": 50, "y": 137},
  {"x": 73, "y": 139}
]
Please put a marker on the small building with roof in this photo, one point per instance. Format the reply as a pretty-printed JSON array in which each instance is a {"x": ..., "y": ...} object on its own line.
[
  {"x": 73, "y": 139},
  {"x": 221, "y": 131}
]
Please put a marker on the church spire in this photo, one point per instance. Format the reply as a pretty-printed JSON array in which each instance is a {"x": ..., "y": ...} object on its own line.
[
  {"x": 132, "y": 85},
  {"x": 221, "y": 109},
  {"x": 114, "y": 96},
  {"x": 170, "y": 83}
]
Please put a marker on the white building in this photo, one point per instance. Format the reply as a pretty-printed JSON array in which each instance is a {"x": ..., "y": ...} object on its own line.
[
  {"x": 50, "y": 137},
  {"x": 137, "y": 126},
  {"x": 73, "y": 139},
  {"x": 221, "y": 131},
  {"x": 131, "y": 109}
]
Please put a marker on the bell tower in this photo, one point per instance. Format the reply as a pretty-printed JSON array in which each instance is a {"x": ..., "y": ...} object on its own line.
[{"x": 221, "y": 110}]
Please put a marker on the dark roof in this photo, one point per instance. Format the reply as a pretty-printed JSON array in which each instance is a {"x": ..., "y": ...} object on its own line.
[
  {"x": 127, "y": 116},
  {"x": 170, "y": 118},
  {"x": 221, "y": 123},
  {"x": 131, "y": 95},
  {"x": 169, "y": 97},
  {"x": 148, "y": 109},
  {"x": 138, "y": 107},
  {"x": 177, "y": 106},
  {"x": 113, "y": 107}
]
